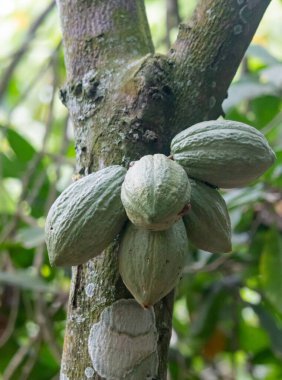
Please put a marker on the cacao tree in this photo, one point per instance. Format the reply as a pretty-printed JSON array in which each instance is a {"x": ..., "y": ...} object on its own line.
[{"x": 125, "y": 101}]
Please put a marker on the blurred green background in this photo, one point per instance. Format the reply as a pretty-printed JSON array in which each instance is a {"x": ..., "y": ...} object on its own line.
[{"x": 228, "y": 310}]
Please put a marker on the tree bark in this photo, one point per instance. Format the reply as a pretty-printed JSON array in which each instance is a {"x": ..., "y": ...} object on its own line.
[
  {"x": 125, "y": 102},
  {"x": 208, "y": 52}
]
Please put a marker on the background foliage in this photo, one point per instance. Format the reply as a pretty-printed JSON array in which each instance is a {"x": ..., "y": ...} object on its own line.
[{"x": 228, "y": 310}]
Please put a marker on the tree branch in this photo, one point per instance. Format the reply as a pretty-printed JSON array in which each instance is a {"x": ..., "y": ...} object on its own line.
[
  {"x": 207, "y": 53},
  {"x": 116, "y": 32}
]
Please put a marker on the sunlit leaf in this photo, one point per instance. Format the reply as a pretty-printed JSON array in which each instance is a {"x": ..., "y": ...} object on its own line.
[
  {"x": 261, "y": 52},
  {"x": 30, "y": 237},
  {"x": 22, "y": 148},
  {"x": 246, "y": 90},
  {"x": 273, "y": 75},
  {"x": 9, "y": 167},
  {"x": 270, "y": 325},
  {"x": 252, "y": 339},
  {"x": 7, "y": 204},
  {"x": 26, "y": 280},
  {"x": 265, "y": 109},
  {"x": 239, "y": 197}
]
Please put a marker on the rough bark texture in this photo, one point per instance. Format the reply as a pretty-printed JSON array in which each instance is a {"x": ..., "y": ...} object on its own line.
[
  {"x": 208, "y": 52},
  {"x": 125, "y": 102}
]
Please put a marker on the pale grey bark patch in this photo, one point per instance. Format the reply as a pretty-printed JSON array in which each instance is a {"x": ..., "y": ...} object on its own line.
[
  {"x": 123, "y": 344},
  {"x": 90, "y": 289},
  {"x": 63, "y": 376},
  {"x": 89, "y": 372}
]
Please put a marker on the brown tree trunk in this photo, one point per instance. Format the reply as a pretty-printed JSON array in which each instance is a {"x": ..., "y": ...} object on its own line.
[{"x": 125, "y": 101}]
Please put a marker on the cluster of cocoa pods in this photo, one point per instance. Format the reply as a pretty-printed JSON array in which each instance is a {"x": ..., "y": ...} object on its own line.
[{"x": 158, "y": 205}]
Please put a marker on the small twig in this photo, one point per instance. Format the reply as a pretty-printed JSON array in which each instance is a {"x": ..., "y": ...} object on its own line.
[
  {"x": 57, "y": 158},
  {"x": 38, "y": 76},
  {"x": 46, "y": 328},
  {"x": 32, "y": 167},
  {"x": 275, "y": 121},
  {"x": 31, "y": 361},
  {"x": 209, "y": 267},
  {"x": 23, "y": 48},
  {"x": 12, "y": 317},
  {"x": 28, "y": 219},
  {"x": 14, "y": 307},
  {"x": 38, "y": 258},
  {"x": 19, "y": 357},
  {"x": 40, "y": 179},
  {"x": 36, "y": 186},
  {"x": 42, "y": 316}
]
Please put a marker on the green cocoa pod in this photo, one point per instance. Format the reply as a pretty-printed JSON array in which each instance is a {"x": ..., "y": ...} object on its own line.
[
  {"x": 151, "y": 262},
  {"x": 222, "y": 153},
  {"x": 86, "y": 217},
  {"x": 208, "y": 223},
  {"x": 155, "y": 192}
]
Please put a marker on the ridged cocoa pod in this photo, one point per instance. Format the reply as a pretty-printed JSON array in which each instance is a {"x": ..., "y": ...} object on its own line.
[
  {"x": 154, "y": 192},
  {"x": 86, "y": 217},
  {"x": 222, "y": 153},
  {"x": 208, "y": 223},
  {"x": 151, "y": 262}
]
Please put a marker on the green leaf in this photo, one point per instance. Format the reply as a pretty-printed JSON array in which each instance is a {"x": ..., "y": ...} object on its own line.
[
  {"x": 240, "y": 197},
  {"x": 270, "y": 268},
  {"x": 252, "y": 339},
  {"x": 30, "y": 237},
  {"x": 26, "y": 280},
  {"x": 271, "y": 327},
  {"x": 260, "y": 52},
  {"x": 265, "y": 108},
  {"x": 7, "y": 204},
  {"x": 273, "y": 75},
  {"x": 9, "y": 168},
  {"x": 204, "y": 323},
  {"x": 246, "y": 90},
  {"x": 22, "y": 148}
]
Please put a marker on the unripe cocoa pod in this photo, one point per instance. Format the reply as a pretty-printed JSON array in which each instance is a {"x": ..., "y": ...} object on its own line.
[
  {"x": 151, "y": 262},
  {"x": 208, "y": 223},
  {"x": 222, "y": 153},
  {"x": 154, "y": 192},
  {"x": 86, "y": 217}
]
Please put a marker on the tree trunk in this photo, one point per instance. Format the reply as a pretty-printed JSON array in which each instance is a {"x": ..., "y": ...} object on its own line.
[{"x": 125, "y": 101}]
